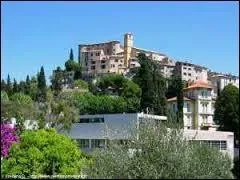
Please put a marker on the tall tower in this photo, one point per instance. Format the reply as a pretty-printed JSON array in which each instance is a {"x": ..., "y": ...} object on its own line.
[{"x": 128, "y": 43}]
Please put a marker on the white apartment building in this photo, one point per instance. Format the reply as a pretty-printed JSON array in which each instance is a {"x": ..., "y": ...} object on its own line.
[
  {"x": 219, "y": 81},
  {"x": 191, "y": 72},
  {"x": 198, "y": 107}
]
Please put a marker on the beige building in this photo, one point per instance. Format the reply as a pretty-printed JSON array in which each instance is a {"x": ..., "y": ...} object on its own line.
[
  {"x": 191, "y": 72},
  {"x": 219, "y": 81},
  {"x": 111, "y": 57},
  {"x": 198, "y": 107}
]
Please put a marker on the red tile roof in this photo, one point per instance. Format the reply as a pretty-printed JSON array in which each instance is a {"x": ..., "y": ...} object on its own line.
[
  {"x": 175, "y": 98},
  {"x": 199, "y": 84}
]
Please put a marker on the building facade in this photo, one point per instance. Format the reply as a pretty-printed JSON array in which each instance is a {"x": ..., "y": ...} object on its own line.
[
  {"x": 111, "y": 57},
  {"x": 198, "y": 107},
  {"x": 219, "y": 81},
  {"x": 93, "y": 131},
  {"x": 191, "y": 72}
]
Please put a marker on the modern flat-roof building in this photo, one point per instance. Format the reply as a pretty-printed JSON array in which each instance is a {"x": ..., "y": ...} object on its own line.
[{"x": 93, "y": 131}]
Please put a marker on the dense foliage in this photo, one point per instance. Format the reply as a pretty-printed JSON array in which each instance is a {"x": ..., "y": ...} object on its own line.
[
  {"x": 120, "y": 86},
  {"x": 153, "y": 86},
  {"x": 227, "y": 110},
  {"x": 81, "y": 84},
  {"x": 4, "y": 96},
  {"x": 8, "y": 137},
  {"x": 159, "y": 154},
  {"x": 44, "y": 152}
]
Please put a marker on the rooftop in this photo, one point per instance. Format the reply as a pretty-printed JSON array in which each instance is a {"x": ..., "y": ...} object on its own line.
[
  {"x": 149, "y": 51},
  {"x": 107, "y": 42},
  {"x": 175, "y": 98},
  {"x": 199, "y": 84}
]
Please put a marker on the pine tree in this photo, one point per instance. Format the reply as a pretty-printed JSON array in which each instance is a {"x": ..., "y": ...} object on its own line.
[
  {"x": 42, "y": 89},
  {"x": 71, "y": 57},
  {"x": 28, "y": 85},
  {"x": 15, "y": 86}
]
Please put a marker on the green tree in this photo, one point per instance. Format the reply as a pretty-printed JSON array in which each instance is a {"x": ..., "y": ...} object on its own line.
[
  {"x": 57, "y": 81},
  {"x": 71, "y": 65},
  {"x": 71, "y": 57},
  {"x": 3, "y": 85},
  {"x": 42, "y": 86},
  {"x": 57, "y": 112},
  {"x": 159, "y": 153},
  {"x": 20, "y": 107},
  {"x": 28, "y": 85},
  {"x": 22, "y": 87},
  {"x": 15, "y": 86},
  {"x": 81, "y": 84},
  {"x": 227, "y": 110},
  {"x": 9, "y": 86},
  {"x": 33, "y": 88},
  {"x": 44, "y": 152},
  {"x": 153, "y": 86},
  {"x": 4, "y": 96},
  {"x": 175, "y": 89}
]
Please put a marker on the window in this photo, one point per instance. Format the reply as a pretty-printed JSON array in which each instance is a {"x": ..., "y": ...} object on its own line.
[
  {"x": 189, "y": 74},
  {"x": 97, "y": 54},
  {"x": 93, "y": 67},
  {"x": 97, "y": 143},
  {"x": 221, "y": 145},
  {"x": 184, "y": 68},
  {"x": 91, "y": 120},
  {"x": 93, "y": 62},
  {"x": 91, "y": 54},
  {"x": 103, "y": 66},
  {"x": 185, "y": 74},
  {"x": 103, "y": 61},
  {"x": 116, "y": 60},
  {"x": 83, "y": 143},
  {"x": 107, "y": 51},
  {"x": 189, "y": 69}
]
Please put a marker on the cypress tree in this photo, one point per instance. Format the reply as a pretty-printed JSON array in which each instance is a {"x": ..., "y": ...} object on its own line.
[
  {"x": 57, "y": 81},
  {"x": 71, "y": 57},
  {"x": 28, "y": 85},
  {"x": 9, "y": 86},
  {"x": 42, "y": 89},
  {"x": 15, "y": 86},
  {"x": 153, "y": 86}
]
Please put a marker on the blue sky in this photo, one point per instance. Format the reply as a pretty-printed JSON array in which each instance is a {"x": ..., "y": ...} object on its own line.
[{"x": 41, "y": 33}]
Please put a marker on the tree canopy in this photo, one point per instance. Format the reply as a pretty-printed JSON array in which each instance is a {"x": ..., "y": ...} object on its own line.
[
  {"x": 159, "y": 153},
  {"x": 153, "y": 86},
  {"x": 227, "y": 110},
  {"x": 44, "y": 152}
]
